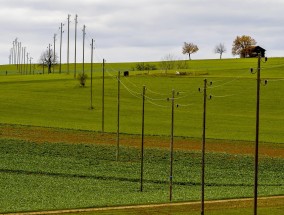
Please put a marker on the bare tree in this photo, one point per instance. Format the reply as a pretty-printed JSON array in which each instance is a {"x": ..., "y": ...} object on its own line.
[
  {"x": 167, "y": 63},
  {"x": 220, "y": 49},
  {"x": 189, "y": 48},
  {"x": 48, "y": 59}
]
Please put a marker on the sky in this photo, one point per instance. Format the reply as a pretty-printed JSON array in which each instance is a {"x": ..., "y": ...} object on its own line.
[{"x": 140, "y": 30}]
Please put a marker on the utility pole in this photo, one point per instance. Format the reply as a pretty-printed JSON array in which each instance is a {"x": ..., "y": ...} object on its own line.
[
  {"x": 31, "y": 65},
  {"x": 84, "y": 34},
  {"x": 68, "y": 20},
  {"x": 27, "y": 63},
  {"x": 24, "y": 62},
  {"x": 16, "y": 51},
  {"x": 61, "y": 31},
  {"x": 75, "y": 63},
  {"x": 172, "y": 146},
  {"x": 49, "y": 62},
  {"x": 203, "y": 144},
  {"x": 54, "y": 57},
  {"x": 92, "y": 53},
  {"x": 257, "y": 132},
  {"x": 142, "y": 142},
  {"x": 22, "y": 59},
  {"x": 118, "y": 113},
  {"x": 19, "y": 55},
  {"x": 103, "y": 98},
  {"x": 13, "y": 51}
]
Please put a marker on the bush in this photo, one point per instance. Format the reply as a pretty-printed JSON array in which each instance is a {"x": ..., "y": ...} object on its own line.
[
  {"x": 82, "y": 77},
  {"x": 143, "y": 67}
]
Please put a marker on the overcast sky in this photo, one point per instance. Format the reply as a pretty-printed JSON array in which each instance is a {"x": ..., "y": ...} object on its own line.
[{"x": 141, "y": 30}]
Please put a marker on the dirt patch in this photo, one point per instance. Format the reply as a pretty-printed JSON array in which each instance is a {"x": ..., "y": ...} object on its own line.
[
  {"x": 55, "y": 135},
  {"x": 276, "y": 201}
]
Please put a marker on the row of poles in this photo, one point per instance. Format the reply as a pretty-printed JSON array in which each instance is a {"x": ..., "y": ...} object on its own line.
[
  {"x": 68, "y": 45},
  {"x": 20, "y": 57},
  {"x": 205, "y": 98}
]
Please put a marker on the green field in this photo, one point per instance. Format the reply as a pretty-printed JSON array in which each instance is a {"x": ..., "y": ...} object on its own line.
[
  {"x": 56, "y": 100},
  {"x": 47, "y": 176},
  {"x": 62, "y": 176}
]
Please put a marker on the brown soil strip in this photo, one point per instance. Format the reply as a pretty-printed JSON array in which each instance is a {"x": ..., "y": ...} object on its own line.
[
  {"x": 55, "y": 135},
  {"x": 191, "y": 206}
]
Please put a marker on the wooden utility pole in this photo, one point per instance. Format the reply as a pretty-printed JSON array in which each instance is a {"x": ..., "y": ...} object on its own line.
[
  {"x": 258, "y": 82},
  {"x": 92, "y": 53},
  {"x": 203, "y": 146},
  {"x": 61, "y": 31},
  {"x": 103, "y": 99},
  {"x": 27, "y": 63},
  {"x": 54, "y": 57},
  {"x": 84, "y": 34},
  {"x": 118, "y": 117},
  {"x": 68, "y": 27},
  {"x": 75, "y": 60},
  {"x": 142, "y": 142},
  {"x": 172, "y": 146},
  {"x": 24, "y": 61}
]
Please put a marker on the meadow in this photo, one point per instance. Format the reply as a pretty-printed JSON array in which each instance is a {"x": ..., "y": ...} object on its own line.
[
  {"x": 37, "y": 175},
  {"x": 57, "y": 100}
]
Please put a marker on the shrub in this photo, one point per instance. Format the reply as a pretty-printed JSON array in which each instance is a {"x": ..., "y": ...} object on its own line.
[{"x": 82, "y": 77}]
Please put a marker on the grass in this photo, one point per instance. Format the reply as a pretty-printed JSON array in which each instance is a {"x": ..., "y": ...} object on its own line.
[
  {"x": 48, "y": 176},
  {"x": 62, "y": 176},
  {"x": 56, "y": 100},
  {"x": 229, "y": 208}
]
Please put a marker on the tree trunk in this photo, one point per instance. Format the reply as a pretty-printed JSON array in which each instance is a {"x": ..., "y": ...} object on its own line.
[{"x": 189, "y": 56}]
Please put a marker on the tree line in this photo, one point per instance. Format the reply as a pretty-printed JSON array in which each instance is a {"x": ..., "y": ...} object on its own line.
[{"x": 242, "y": 46}]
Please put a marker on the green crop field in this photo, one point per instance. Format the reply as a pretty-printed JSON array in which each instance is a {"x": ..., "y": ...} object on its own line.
[
  {"x": 56, "y": 100},
  {"x": 58, "y": 175}
]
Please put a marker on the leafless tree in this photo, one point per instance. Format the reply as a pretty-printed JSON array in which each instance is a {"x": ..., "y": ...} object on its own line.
[
  {"x": 48, "y": 59},
  {"x": 167, "y": 63},
  {"x": 220, "y": 49},
  {"x": 189, "y": 48}
]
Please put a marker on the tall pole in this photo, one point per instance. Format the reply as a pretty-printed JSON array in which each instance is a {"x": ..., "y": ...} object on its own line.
[
  {"x": 142, "y": 142},
  {"x": 68, "y": 25},
  {"x": 75, "y": 63},
  {"x": 19, "y": 56},
  {"x": 84, "y": 34},
  {"x": 54, "y": 57},
  {"x": 61, "y": 25},
  {"x": 203, "y": 146},
  {"x": 13, "y": 53},
  {"x": 31, "y": 65},
  {"x": 172, "y": 146},
  {"x": 92, "y": 53},
  {"x": 118, "y": 113},
  {"x": 103, "y": 99},
  {"x": 257, "y": 135},
  {"x": 22, "y": 59},
  {"x": 27, "y": 63},
  {"x": 16, "y": 51},
  {"x": 49, "y": 59}
]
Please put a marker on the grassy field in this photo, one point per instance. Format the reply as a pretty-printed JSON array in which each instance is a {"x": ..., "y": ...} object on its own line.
[
  {"x": 51, "y": 176},
  {"x": 271, "y": 206},
  {"x": 56, "y": 100},
  {"x": 44, "y": 174}
]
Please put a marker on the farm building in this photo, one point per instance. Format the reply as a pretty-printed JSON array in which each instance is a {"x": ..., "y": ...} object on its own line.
[{"x": 255, "y": 50}]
